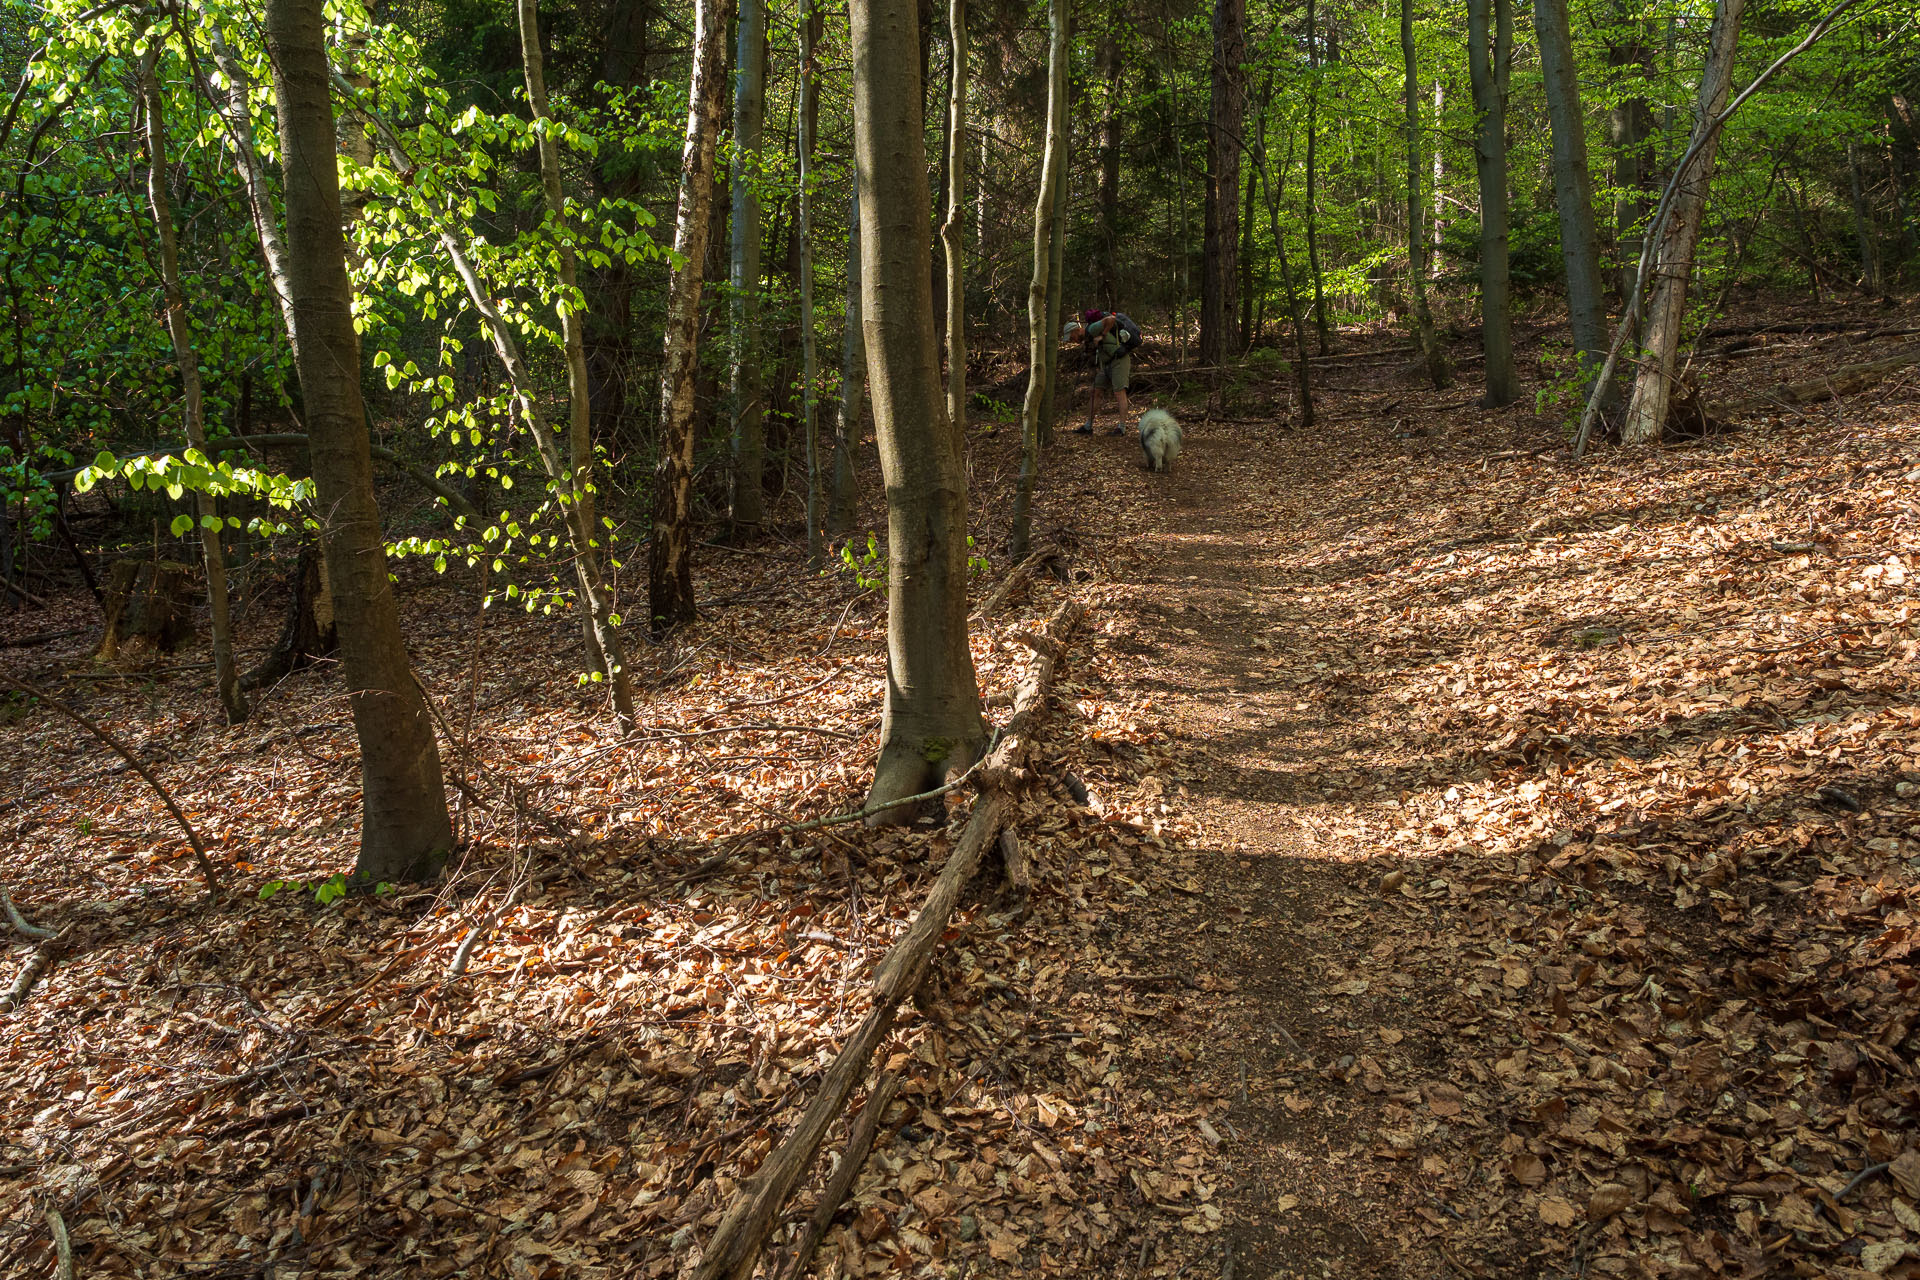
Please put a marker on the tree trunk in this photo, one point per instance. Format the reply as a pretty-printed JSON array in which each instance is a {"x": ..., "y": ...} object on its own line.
[
  {"x": 1057, "y": 263},
  {"x": 842, "y": 507},
  {"x": 1303, "y": 366},
  {"x": 1666, "y": 311},
  {"x": 1630, "y": 131},
  {"x": 1488, "y": 66},
  {"x": 187, "y": 358},
  {"x": 670, "y": 558},
  {"x": 810, "y": 28},
  {"x": 1572, "y": 185},
  {"x": 1439, "y": 181},
  {"x": 1042, "y": 341},
  {"x": 1219, "y": 316},
  {"x": 405, "y": 830},
  {"x": 933, "y": 723},
  {"x": 576, "y": 487},
  {"x": 1107, "y": 265},
  {"x": 748, "y": 505},
  {"x": 1313, "y": 178},
  {"x": 1862, "y": 222},
  {"x": 952, "y": 233},
  {"x": 1424, "y": 338}
]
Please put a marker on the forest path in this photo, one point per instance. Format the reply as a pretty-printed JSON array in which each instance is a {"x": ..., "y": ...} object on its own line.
[{"x": 1325, "y": 1063}]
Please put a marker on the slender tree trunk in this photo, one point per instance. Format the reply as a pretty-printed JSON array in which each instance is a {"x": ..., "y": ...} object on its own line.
[
  {"x": 1630, "y": 132},
  {"x": 576, "y": 488},
  {"x": 236, "y": 113},
  {"x": 1107, "y": 265},
  {"x": 1863, "y": 222},
  {"x": 1057, "y": 263},
  {"x": 187, "y": 358},
  {"x": 842, "y": 506},
  {"x": 1572, "y": 185},
  {"x": 1488, "y": 65},
  {"x": 952, "y": 232},
  {"x": 1666, "y": 310},
  {"x": 1320, "y": 324},
  {"x": 670, "y": 559},
  {"x": 1303, "y": 366},
  {"x": 1427, "y": 343},
  {"x": 810, "y": 26},
  {"x": 1439, "y": 182},
  {"x": 748, "y": 506},
  {"x": 932, "y": 724},
  {"x": 1042, "y": 341},
  {"x": 405, "y": 831},
  {"x": 1226, "y": 120}
]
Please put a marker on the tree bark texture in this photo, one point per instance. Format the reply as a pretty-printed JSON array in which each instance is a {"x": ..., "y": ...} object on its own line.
[
  {"x": 1673, "y": 269},
  {"x": 405, "y": 829},
  {"x": 1226, "y": 118},
  {"x": 842, "y": 506},
  {"x": 670, "y": 558},
  {"x": 1042, "y": 341},
  {"x": 810, "y": 28},
  {"x": 187, "y": 357},
  {"x": 1489, "y": 57},
  {"x": 748, "y": 505},
  {"x": 932, "y": 723},
  {"x": 1425, "y": 340},
  {"x": 1572, "y": 183},
  {"x": 953, "y": 231}
]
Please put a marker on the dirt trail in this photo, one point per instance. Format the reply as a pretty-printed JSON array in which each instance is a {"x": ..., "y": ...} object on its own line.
[{"x": 1332, "y": 1158}]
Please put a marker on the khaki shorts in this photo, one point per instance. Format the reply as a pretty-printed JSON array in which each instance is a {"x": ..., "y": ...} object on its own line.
[{"x": 1115, "y": 376}]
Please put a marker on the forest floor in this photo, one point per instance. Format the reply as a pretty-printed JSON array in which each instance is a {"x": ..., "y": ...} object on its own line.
[{"x": 1490, "y": 867}]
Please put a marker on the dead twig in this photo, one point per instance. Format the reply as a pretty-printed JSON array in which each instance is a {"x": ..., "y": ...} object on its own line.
[
  {"x": 43, "y": 958},
  {"x": 193, "y": 837}
]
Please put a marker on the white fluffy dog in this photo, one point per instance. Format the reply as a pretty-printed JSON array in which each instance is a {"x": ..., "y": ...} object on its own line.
[{"x": 1159, "y": 439}]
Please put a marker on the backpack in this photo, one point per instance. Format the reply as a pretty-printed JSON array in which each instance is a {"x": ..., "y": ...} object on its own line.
[{"x": 1130, "y": 335}]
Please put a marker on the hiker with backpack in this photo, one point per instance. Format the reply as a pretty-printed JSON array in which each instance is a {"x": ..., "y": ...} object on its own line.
[{"x": 1110, "y": 338}]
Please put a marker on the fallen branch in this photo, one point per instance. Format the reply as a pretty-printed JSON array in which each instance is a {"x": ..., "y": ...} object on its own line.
[
  {"x": 193, "y": 837},
  {"x": 1841, "y": 382},
  {"x": 62, "y": 1246},
  {"x": 859, "y": 1143},
  {"x": 464, "y": 952},
  {"x": 19, "y": 921},
  {"x": 737, "y": 1242},
  {"x": 1018, "y": 577},
  {"x": 43, "y": 958},
  {"x": 1013, "y": 860}
]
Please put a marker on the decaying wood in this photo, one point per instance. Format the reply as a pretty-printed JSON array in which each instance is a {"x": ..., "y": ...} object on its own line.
[
  {"x": 1019, "y": 576},
  {"x": 146, "y": 600},
  {"x": 133, "y": 762},
  {"x": 859, "y": 1143},
  {"x": 1841, "y": 382},
  {"x": 735, "y": 1246},
  {"x": 1013, "y": 860},
  {"x": 42, "y": 959}
]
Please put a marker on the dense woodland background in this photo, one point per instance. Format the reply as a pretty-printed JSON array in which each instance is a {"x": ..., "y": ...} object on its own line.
[{"x": 577, "y": 452}]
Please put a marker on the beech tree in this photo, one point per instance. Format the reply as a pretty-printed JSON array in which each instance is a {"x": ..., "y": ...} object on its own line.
[
  {"x": 405, "y": 831},
  {"x": 932, "y": 724},
  {"x": 748, "y": 507},
  {"x": 1226, "y": 123},
  {"x": 1426, "y": 343},
  {"x": 670, "y": 557},
  {"x": 1489, "y": 57}
]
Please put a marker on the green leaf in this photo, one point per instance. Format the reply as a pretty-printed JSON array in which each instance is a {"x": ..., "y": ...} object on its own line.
[{"x": 181, "y": 524}]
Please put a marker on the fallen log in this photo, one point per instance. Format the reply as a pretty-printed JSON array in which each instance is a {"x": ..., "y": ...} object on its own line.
[
  {"x": 736, "y": 1244},
  {"x": 1019, "y": 576},
  {"x": 1841, "y": 382}
]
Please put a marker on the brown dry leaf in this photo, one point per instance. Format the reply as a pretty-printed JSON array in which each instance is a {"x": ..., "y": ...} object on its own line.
[
  {"x": 1555, "y": 1211},
  {"x": 1608, "y": 1199},
  {"x": 1528, "y": 1169}
]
